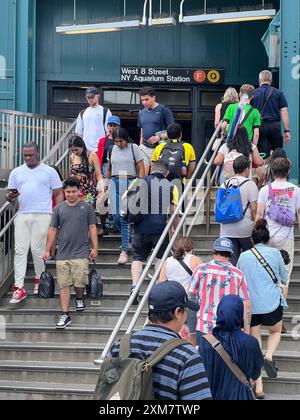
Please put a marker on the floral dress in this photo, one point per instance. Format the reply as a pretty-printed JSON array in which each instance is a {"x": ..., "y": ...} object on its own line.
[{"x": 88, "y": 191}]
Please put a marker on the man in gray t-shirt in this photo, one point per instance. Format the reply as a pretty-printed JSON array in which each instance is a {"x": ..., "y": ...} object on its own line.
[
  {"x": 240, "y": 232},
  {"x": 74, "y": 223}
]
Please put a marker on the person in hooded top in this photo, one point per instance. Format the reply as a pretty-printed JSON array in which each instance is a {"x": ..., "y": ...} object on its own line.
[{"x": 244, "y": 350}]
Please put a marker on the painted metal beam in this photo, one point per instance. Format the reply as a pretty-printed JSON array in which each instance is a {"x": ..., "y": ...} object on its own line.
[
  {"x": 290, "y": 75},
  {"x": 25, "y": 72}
]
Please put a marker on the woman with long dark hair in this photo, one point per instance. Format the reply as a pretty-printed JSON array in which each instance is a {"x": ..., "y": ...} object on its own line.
[
  {"x": 266, "y": 276},
  {"x": 241, "y": 145},
  {"x": 86, "y": 169}
]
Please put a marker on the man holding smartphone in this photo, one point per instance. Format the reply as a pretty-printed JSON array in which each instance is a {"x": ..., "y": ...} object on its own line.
[{"x": 32, "y": 184}]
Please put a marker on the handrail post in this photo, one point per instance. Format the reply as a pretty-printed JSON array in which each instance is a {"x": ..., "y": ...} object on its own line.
[{"x": 208, "y": 186}]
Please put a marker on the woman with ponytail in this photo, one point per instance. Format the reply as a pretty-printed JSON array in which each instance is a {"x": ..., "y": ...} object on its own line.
[{"x": 266, "y": 276}]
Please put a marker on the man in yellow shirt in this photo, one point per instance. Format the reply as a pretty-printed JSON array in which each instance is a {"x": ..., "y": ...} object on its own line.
[{"x": 179, "y": 156}]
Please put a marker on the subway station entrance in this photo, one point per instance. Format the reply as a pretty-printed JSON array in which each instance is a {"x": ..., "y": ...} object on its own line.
[{"x": 192, "y": 107}]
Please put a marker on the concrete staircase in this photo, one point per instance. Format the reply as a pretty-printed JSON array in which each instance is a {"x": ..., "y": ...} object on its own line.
[{"x": 39, "y": 362}]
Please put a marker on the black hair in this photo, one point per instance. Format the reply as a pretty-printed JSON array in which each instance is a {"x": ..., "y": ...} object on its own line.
[
  {"x": 71, "y": 182},
  {"x": 147, "y": 91},
  {"x": 278, "y": 153},
  {"x": 162, "y": 317},
  {"x": 32, "y": 144},
  {"x": 240, "y": 164},
  {"x": 260, "y": 233},
  {"x": 240, "y": 142},
  {"x": 280, "y": 168},
  {"x": 224, "y": 254},
  {"x": 121, "y": 133},
  {"x": 174, "y": 131},
  {"x": 286, "y": 257},
  {"x": 79, "y": 142}
]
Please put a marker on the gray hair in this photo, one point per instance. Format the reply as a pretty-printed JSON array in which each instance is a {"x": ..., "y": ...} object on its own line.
[
  {"x": 32, "y": 144},
  {"x": 265, "y": 76}
]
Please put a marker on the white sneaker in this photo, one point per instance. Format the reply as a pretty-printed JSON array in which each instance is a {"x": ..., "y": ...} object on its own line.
[
  {"x": 63, "y": 322},
  {"x": 80, "y": 305},
  {"x": 36, "y": 286}
]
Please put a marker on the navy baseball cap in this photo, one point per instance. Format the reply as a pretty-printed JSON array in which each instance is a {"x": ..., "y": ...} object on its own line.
[
  {"x": 169, "y": 295},
  {"x": 114, "y": 119},
  {"x": 92, "y": 91},
  {"x": 223, "y": 245}
]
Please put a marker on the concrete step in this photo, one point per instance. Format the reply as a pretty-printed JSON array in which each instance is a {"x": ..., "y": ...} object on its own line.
[
  {"x": 49, "y": 334},
  {"x": 287, "y": 361},
  {"x": 18, "y": 390},
  {"x": 281, "y": 397},
  {"x": 92, "y": 316},
  {"x": 286, "y": 383},
  {"x": 287, "y": 343},
  {"x": 10, "y": 350},
  {"x": 109, "y": 300},
  {"x": 63, "y": 372}
]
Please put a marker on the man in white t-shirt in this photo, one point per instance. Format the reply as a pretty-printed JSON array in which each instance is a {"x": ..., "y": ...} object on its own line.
[
  {"x": 286, "y": 195},
  {"x": 240, "y": 233},
  {"x": 33, "y": 184},
  {"x": 91, "y": 123}
]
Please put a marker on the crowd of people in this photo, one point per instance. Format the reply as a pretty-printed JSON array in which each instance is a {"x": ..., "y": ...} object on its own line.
[{"x": 243, "y": 287}]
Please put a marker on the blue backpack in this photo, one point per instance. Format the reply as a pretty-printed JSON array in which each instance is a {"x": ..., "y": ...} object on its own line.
[{"x": 229, "y": 207}]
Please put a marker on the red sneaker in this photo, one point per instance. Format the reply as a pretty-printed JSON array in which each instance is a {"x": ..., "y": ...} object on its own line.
[
  {"x": 18, "y": 296},
  {"x": 36, "y": 286}
]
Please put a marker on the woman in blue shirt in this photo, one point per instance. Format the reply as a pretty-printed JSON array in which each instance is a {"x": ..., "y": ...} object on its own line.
[{"x": 266, "y": 284}]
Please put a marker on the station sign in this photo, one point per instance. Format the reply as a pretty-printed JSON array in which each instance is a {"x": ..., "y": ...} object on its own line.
[{"x": 172, "y": 75}]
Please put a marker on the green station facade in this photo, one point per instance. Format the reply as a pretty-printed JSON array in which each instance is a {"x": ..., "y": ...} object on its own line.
[{"x": 46, "y": 72}]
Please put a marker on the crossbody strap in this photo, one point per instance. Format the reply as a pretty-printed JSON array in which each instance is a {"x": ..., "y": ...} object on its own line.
[
  {"x": 217, "y": 346},
  {"x": 267, "y": 100},
  {"x": 186, "y": 267},
  {"x": 163, "y": 350},
  {"x": 265, "y": 265},
  {"x": 247, "y": 116}
]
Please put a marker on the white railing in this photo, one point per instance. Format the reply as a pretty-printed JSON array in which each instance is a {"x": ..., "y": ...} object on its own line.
[
  {"x": 204, "y": 183},
  {"x": 17, "y": 128},
  {"x": 59, "y": 157}
]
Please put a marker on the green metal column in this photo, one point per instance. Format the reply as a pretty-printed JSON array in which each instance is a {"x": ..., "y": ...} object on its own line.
[
  {"x": 25, "y": 55},
  {"x": 290, "y": 74}
]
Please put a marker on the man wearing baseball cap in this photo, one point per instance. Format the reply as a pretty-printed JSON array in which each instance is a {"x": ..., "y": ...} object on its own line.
[
  {"x": 213, "y": 280},
  {"x": 181, "y": 374},
  {"x": 91, "y": 122}
]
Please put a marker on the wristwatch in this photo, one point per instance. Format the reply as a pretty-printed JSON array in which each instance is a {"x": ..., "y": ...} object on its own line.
[{"x": 287, "y": 131}]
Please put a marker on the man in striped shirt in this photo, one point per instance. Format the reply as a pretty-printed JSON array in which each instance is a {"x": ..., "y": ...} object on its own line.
[
  {"x": 211, "y": 281},
  {"x": 181, "y": 374}
]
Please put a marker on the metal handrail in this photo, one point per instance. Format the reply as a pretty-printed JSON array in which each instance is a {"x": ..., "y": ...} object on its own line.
[
  {"x": 31, "y": 115},
  {"x": 159, "y": 243}
]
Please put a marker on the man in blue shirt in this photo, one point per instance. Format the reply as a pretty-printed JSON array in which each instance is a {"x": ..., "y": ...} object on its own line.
[
  {"x": 181, "y": 374},
  {"x": 153, "y": 119},
  {"x": 273, "y": 107}
]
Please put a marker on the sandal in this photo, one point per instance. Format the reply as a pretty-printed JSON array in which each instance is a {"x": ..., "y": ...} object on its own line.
[{"x": 270, "y": 368}]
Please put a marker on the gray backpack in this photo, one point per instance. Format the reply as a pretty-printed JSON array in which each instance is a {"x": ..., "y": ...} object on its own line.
[{"x": 124, "y": 378}]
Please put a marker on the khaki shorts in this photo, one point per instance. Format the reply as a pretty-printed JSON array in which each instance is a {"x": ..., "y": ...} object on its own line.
[
  {"x": 147, "y": 154},
  {"x": 72, "y": 273}
]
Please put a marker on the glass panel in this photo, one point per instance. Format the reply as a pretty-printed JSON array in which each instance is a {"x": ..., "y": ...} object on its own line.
[
  {"x": 173, "y": 97},
  {"x": 210, "y": 98},
  {"x": 69, "y": 95},
  {"x": 121, "y": 97}
]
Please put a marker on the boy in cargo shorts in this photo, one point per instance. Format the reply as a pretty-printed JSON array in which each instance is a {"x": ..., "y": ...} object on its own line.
[{"x": 75, "y": 224}]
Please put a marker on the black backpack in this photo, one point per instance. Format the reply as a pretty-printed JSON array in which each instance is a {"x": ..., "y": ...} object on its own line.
[
  {"x": 94, "y": 289},
  {"x": 134, "y": 205},
  {"x": 174, "y": 155},
  {"x": 46, "y": 286}
]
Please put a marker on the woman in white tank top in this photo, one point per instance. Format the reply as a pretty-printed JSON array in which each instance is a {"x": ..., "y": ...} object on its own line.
[{"x": 182, "y": 264}]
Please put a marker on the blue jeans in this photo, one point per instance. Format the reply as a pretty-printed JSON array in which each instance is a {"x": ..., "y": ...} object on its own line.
[
  {"x": 117, "y": 188},
  {"x": 104, "y": 169}
]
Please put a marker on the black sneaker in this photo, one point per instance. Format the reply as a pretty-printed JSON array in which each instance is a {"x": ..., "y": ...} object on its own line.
[
  {"x": 63, "y": 322},
  {"x": 136, "y": 299},
  {"x": 80, "y": 305}
]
